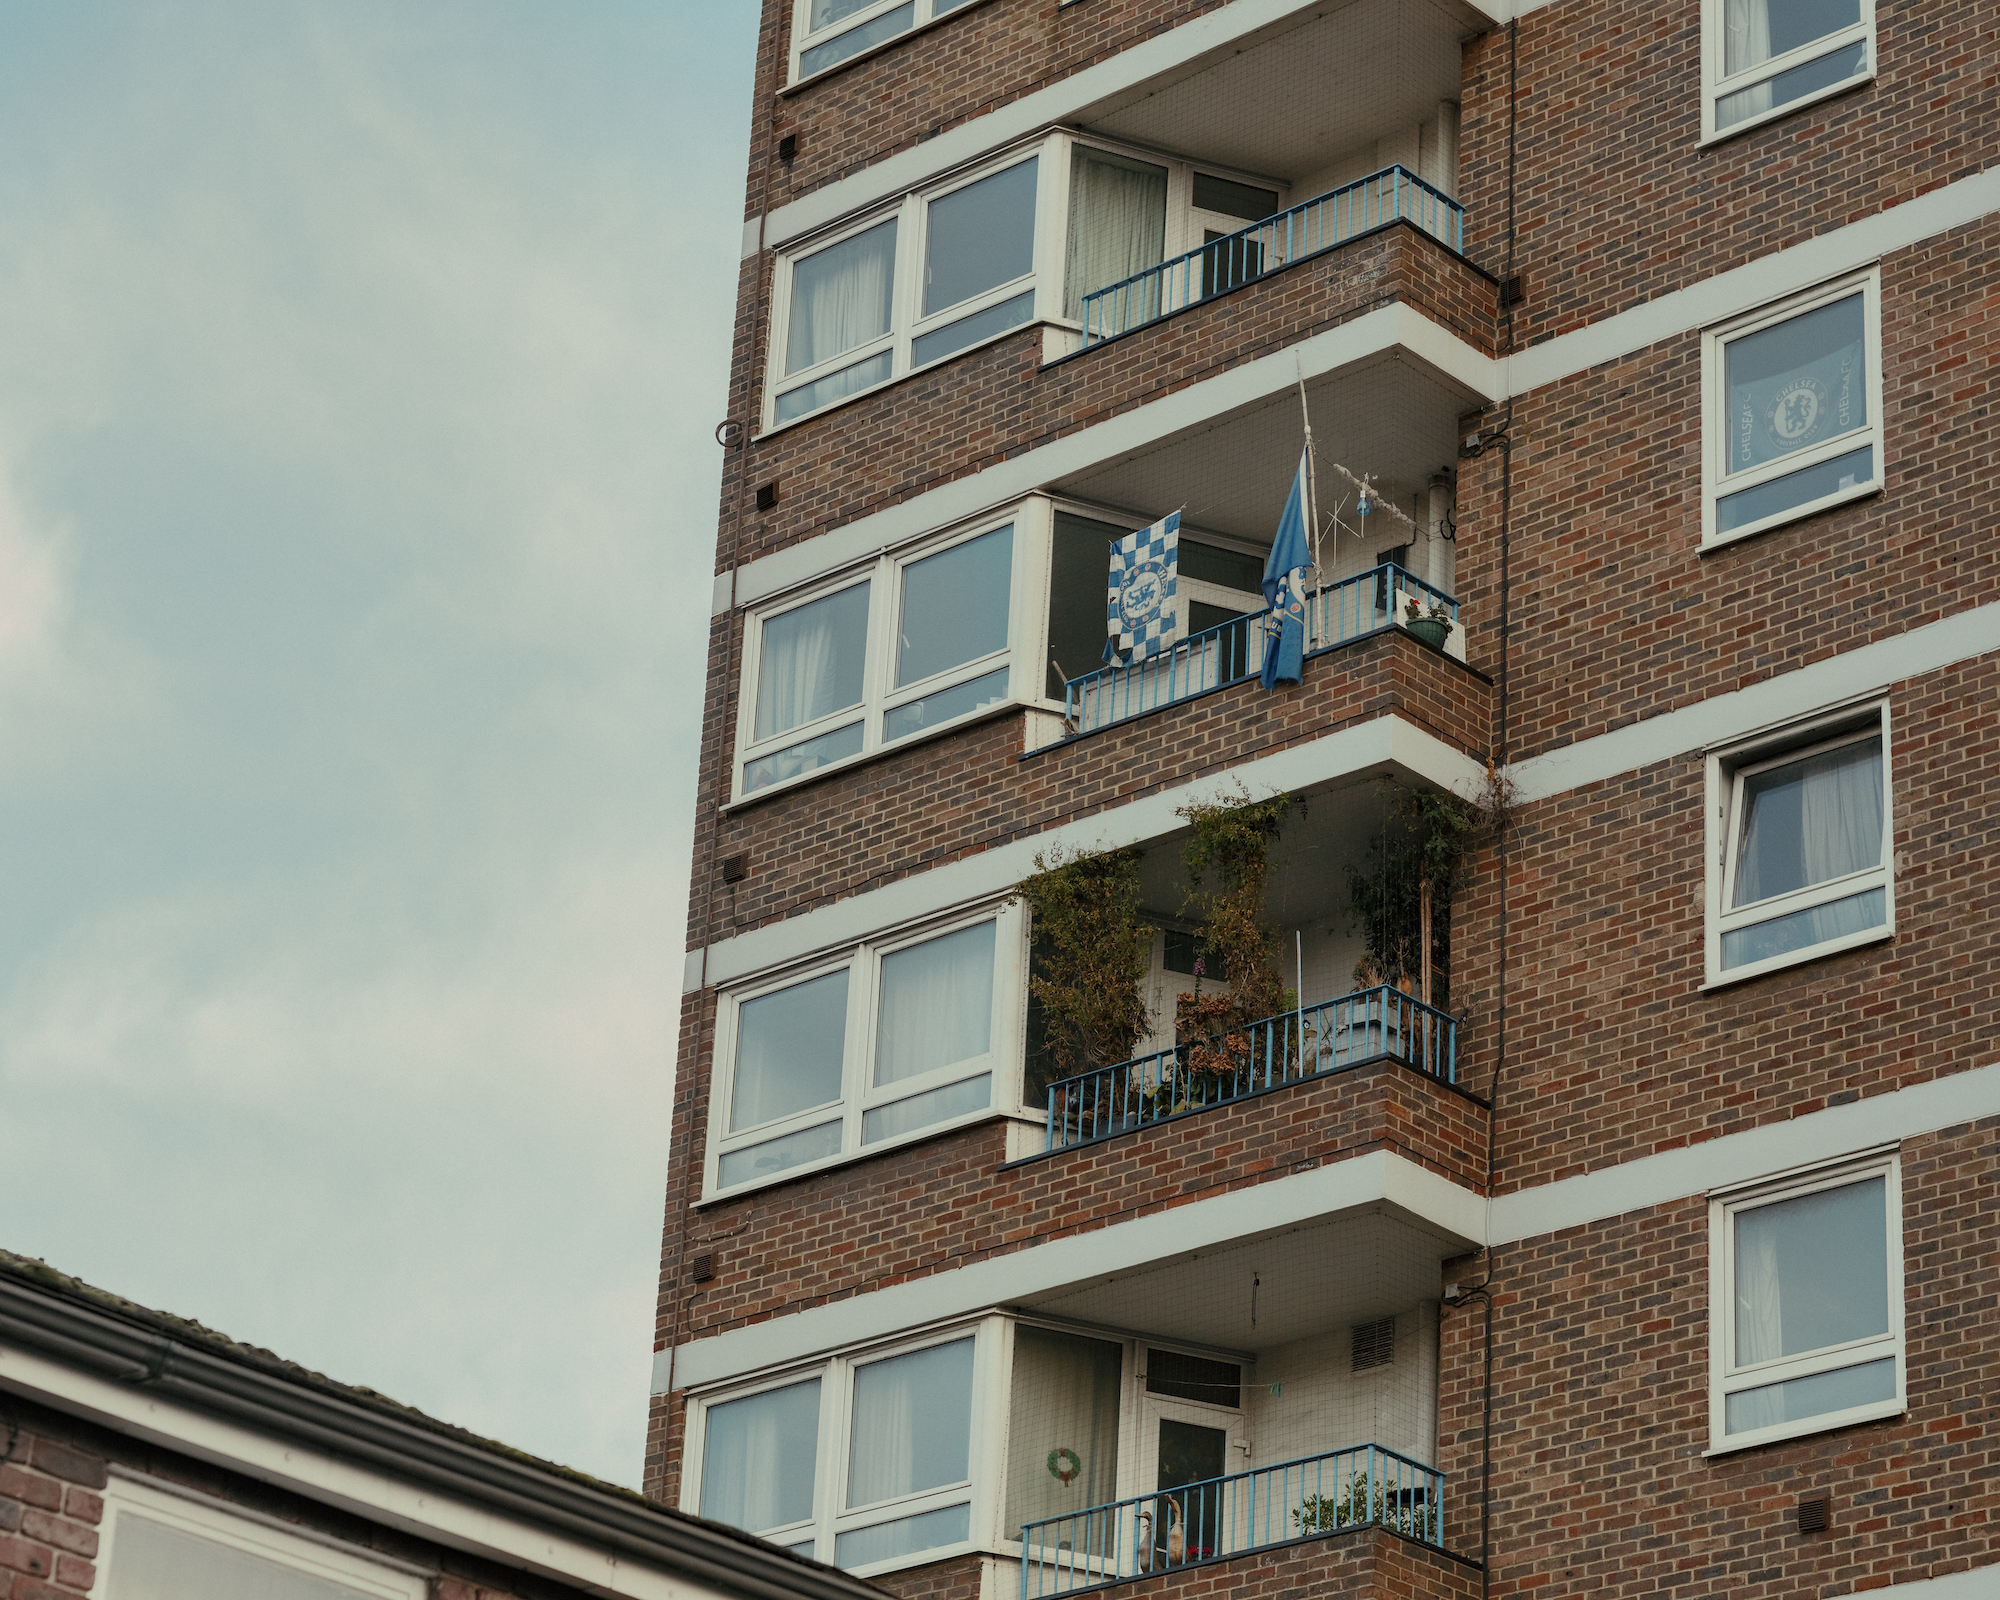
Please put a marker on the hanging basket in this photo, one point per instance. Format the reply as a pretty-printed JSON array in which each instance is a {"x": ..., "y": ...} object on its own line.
[{"x": 1432, "y": 630}]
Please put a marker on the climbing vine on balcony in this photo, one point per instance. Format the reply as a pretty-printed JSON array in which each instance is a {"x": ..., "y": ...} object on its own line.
[
  {"x": 1228, "y": 863},
  {"x": 1091, "y": 951},
  {"x": 1414, "y": 865}
]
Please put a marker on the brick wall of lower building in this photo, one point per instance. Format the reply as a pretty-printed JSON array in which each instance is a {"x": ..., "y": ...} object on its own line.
[
  {"x": 1614, "y": 1050},
  {"x": 53, "y": 1473},
  {"x": 1600, "y": 1363}
]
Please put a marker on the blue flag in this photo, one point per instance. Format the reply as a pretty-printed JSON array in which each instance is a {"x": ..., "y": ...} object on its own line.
[
  {"x": 1139, "y": 612},
  {"x": 1284, "y": 590}
]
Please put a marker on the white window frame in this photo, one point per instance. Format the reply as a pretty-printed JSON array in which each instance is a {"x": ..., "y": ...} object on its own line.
[
  {"x": 1715, "y": 86},
  {"x": 250, "y": 1533},
  {"x": 926, "y": 12},
  {"x": 1727, "y": 768},
  {"x": 1027, "y": 622},
  {"x": 907, "y": 321},
  {"x": 863, "y": 964},
  {"x": 1726, "y": 1378},
  {"x": 992, "y": 1337},
  {"x": 1718, "y": 482}
]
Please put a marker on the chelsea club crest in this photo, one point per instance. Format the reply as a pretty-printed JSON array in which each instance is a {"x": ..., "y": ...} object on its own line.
[
  {"x": 1139, "y": 600},
  {"x": 1795, "y": 413}
]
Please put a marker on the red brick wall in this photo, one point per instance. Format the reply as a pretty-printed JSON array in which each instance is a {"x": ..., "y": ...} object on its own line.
[
  {"x": 1616, "y": 614},
  {"x": 1614, "y": 1052},
  {"x": 1601, "y": 1414},
  {"x": 1616, "y": 204},
  {"x": 50, "y": 1512}
]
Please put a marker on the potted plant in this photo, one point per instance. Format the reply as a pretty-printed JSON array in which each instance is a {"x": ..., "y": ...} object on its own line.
[{"x": 1429, "y": 622}]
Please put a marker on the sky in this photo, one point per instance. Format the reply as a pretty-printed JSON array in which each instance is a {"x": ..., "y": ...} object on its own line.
[{"x": 359, "y": 367}]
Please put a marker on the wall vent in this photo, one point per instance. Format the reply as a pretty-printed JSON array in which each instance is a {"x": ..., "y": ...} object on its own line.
[
  {"x": 1816, "y": 1514},
  {"x": 1374, "y": 1343},
  {"x": 767, "y": 495},
  {"x": 704, "y": 1268},
  {"x": 735, "y": 868}
]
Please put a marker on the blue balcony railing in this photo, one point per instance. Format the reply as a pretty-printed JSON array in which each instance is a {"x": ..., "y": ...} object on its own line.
[
  {"x": 1383, "y": 1021},
  {"x": 1231, "y": 651},
  {"x": 1391, "y": 195},
  {"x": 1223, "y": 1517}
]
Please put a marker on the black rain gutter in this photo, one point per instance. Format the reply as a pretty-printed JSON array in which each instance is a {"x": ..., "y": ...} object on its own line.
[{"x": 133, "y": 1348}]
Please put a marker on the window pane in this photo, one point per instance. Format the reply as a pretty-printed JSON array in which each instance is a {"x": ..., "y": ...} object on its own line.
[
  {"x": 155, "y": 1562},
  {"x": 981, "y": 236},
  {"x": 955, "y": 606},
  {"x": 856, "y": 40},
  {"x": 1835, "y": 67},
  {"x": 933, "y": 709},
  {"x": 789, "y": 1047},
  {"x": 1117, "y": 226},
  {"x": 1062, "y": 1446},
  {"x": 937, "y": 1004},
  {"x": 1801, "y": 930},
  {"x": 912, "y": 1424},
  {"x": 904, "y": 1537},
  {"x": 1803, "y": 1398},
  {"x": 777, "y": 1155},
  {"x": 1795, "y": 489},
  {"x": 1810, "y": 821},
  {"x": 835, "y": 386},
  {"x": 807, "y": 757},
  {"x": 805, "y": 1549},
  {"x": 757, "y": 1458},
  {"x": 1756, "y": 30},
  {"x": 1812, "y": 1272},
  {"x": 922, "y": 1110},
  {"x": 1231, "y": 569},
  {"x": 827, "y": 12},
  {"x": 994, "y": 320},
  {"x": 1218, "y": 1383},
  {"x": 1079, "y": 571},
  {"x": 841, "y": 295},
  {"x": 1233, "y": 199},
  {"x": 810, "y": 661},
  {"x": 1796, "y": 384}
]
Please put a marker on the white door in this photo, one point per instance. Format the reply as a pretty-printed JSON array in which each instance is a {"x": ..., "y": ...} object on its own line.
[{"x": 1184, "y": 1449}]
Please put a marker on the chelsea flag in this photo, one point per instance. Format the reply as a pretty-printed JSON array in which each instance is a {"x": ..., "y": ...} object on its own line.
[
  {"x": 1139, "y": 615},
  {"x": 1284, "y": 590}
]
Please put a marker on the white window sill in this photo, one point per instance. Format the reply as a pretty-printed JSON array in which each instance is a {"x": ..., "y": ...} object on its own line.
[
  {"x": 1764, "y": 119},
  {"x": 1796, "y": 958},
  {"x": 804, "y": 1169},
  {"x": 1782, "y": 519},
  {"x": 1897, "y": 1407}
]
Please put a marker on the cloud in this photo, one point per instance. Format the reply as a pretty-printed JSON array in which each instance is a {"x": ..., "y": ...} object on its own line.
[{"x": 356, "y": 511}]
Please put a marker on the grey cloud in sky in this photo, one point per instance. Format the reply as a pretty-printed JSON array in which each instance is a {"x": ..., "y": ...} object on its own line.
[{"x": 356, "y": 510}]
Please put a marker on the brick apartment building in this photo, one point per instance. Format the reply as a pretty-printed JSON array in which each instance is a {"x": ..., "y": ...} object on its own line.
[{"x": 1649, "y": 1242}]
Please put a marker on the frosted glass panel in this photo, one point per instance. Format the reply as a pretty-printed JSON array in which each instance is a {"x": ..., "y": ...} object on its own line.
[
  {"x": 921, "y": 1110},
  {"x": 1804, "y": 1398},
  {"x": 757, "y": 1458},
  {"x": 904, "y": 1537},
  {"x": 778, "y": 1155},
  {"x": 1812, "y": 1272},
  {"x": 789, "y": 1047},
  {"x": 1801, "y": 930},
  {"x": 154, "y": 1562},
  {"x": 912, "y": 1423},
  {"x": 937, "y": 1004}
]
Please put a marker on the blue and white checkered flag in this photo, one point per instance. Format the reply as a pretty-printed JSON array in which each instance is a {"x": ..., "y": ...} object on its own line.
[{"x": 1140, "y": 615}]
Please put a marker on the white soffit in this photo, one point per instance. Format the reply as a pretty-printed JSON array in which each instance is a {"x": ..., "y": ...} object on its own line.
[
  {"x": 1453, "y": 1215},
  {"x": 1382, "y": 744}
]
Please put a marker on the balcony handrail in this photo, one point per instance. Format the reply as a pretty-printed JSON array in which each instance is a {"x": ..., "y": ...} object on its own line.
[
  {"x": 1195, "y": 1075},
  {"x": 1231, "y": 651},
  {"x": 1232, "y": 1515},
  {"x": 1393, "y": 194}
]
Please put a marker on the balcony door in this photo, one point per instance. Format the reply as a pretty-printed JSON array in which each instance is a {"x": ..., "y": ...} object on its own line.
[{"x": 1191, "y": 1434}]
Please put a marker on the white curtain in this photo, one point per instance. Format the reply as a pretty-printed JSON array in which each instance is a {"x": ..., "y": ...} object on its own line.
[
  {"x": 757, "y": 1458},
  {"x": 1746, "y": 40},
  {"x": 840, "y": 297},
  {"x": 1760, "y": 1323},
  {"x": 1810, "y": 821},
  {"x": 912, "y": 1423},
  {"x": 937, "y": 1004},
  {"x": 797, "y": 680},
  {"x": 1117, "y": 224}
]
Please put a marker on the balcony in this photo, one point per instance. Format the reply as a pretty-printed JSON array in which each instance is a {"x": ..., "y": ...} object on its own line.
[
  {"x": 1233, "y": 651},
  {"x": 1217, "y": 1518},
  {"x": 1373, "y": 1024},
  {"x": 1290, "y": 236}
]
